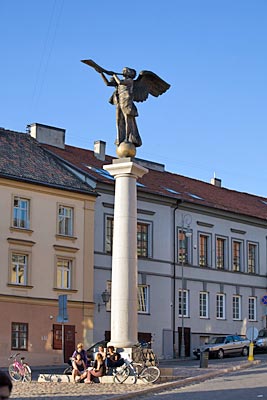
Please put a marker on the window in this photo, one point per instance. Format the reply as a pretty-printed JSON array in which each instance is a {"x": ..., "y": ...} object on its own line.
[
  {"x": 109, "y": 234},
  {"x": 184, "y": 247},
  {"x": 143, "y": 299},
  {"x": 220, "y": 306},
  {"x": 236, "y": 307},
  {"x": 204, "y": 250},
  {"x": 183, "y": 303},
  {"x": 65, "y": 221},
  {"x": 236, "y": 256},
  {"x": 252, "y": 258},
  {"x": 252, "y": 311},
  {"x": 21, "y": 213},
  {"x": 19, "y": 269},
  {"x": 203, "y": 305},
  {"x": 220, "y": 253},
  {"x": 19, "y": 336},
  {"x": 143, "y": 237},
  {"x": 64, "y": 274}
]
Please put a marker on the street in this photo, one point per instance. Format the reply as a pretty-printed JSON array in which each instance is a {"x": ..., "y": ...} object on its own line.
[{"x": 246, "y": 384}]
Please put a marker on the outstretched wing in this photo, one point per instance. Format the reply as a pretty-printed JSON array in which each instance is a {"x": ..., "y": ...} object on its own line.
[{"x": 148, "y": 83}]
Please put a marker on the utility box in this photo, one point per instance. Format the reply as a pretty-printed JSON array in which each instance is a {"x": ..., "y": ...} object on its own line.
[{"x": 204, "y": 359}]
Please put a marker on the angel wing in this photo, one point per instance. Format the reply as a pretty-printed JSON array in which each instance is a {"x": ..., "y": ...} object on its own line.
[{"x": 148, "y": 83}]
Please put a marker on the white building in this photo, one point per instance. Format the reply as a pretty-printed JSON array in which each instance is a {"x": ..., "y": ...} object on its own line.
[{"x": 194, "y": 238}]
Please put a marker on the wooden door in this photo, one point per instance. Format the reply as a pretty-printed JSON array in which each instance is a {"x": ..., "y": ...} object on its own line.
[{"x": 69, "y": 341}]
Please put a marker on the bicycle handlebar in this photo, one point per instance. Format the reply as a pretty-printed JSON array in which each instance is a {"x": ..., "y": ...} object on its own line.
[{"x": 13, "y": 355}]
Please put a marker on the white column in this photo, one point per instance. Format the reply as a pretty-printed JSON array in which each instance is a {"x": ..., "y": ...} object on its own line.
[{"x": 124, "y": 325}]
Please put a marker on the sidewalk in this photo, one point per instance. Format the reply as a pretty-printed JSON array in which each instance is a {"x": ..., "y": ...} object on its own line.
[{"x": 182, "y": 376}]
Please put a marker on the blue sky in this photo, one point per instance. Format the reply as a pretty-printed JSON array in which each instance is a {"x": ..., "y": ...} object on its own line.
[{"x": 212, "y": 52}]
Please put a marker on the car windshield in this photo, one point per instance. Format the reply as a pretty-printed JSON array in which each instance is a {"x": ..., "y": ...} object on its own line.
[{"x": 216, "y": 340}]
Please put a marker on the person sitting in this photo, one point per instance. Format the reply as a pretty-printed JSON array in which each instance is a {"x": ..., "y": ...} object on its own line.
[
  {"x": 102, "y": 351},
  {"x": 79, "y": 369},
  {"x": 114, "y": 359},
  {"x": 80, "y": 350},
  {"x": 5, "y": 386},
  {"x": 98, "y": 369}
]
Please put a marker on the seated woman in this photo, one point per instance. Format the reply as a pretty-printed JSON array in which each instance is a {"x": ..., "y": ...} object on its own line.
[
  {"x": 79, "y": 368},
  {"x": 98, "y": 369},
  {"x": 114, "y": 359}
]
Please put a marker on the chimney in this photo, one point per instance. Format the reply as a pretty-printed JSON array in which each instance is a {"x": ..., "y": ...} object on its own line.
[
  {"x": 48, "y": 134},
  {"x": 216, "y": 182},
  {"x": 100, "y": 150}
]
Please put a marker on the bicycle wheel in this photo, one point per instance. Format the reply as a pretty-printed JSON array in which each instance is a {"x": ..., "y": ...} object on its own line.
[
  {"x": 27, "y": 373},
  {"x": 67, "y": 371},
  {"x": 122, "y": 374},
  {"x": 150, "y": 374},
  {"x": 14, "y": 373}
]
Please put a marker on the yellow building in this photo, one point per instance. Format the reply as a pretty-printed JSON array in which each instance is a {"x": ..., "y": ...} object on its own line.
[{"x": 46, "y": 252}]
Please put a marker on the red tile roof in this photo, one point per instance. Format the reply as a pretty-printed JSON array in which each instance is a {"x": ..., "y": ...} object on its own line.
[
  {"x": 170, "y": 185},
  {"x": 23, "y": 158}
]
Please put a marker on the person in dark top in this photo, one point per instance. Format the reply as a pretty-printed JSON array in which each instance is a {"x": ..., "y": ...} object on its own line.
[
  {"x": 79, "y": 368},
  {"x": 98, "y": 369},
  {"x": 114, "y": 359},
  {"x": 5, "y": 386},
  {"x": 80, "y": 350}
]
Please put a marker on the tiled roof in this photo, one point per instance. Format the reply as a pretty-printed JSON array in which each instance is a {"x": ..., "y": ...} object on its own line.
[
  {"x": 171, "y": 185},
  {"x": 23, "y": 158}
]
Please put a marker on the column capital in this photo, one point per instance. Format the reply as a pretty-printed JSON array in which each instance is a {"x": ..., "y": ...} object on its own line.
[{"x": 123, "y": 166}]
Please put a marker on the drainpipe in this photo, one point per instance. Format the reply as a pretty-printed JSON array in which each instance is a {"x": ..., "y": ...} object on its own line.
[{"x": 174, "y": 280}]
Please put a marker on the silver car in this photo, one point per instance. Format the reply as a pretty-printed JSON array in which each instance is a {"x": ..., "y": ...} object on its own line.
[{"x": 221, "y": 346}]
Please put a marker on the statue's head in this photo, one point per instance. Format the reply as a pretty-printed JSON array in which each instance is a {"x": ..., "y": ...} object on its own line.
[{"x": 129, "y": 72}]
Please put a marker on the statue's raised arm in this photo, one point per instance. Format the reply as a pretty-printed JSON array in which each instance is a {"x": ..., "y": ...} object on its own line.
[{"x": 127, "y": 91}]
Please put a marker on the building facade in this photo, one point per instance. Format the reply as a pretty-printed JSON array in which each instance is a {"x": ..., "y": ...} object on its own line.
[
  {"x": 46, "y": 252},
  {"x": 201, "y": 254}
]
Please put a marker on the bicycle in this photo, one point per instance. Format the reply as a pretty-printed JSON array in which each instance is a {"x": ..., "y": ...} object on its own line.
[
  {"x": 19, "y": 370},
  {"x": 148, "y": 374}
]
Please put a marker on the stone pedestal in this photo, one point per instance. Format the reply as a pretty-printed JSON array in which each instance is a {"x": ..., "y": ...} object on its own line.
[{"x": 124, "y": 253}]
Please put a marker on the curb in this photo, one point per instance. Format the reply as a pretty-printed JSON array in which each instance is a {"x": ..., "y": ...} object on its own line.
[{"x": 184, "y": 382}]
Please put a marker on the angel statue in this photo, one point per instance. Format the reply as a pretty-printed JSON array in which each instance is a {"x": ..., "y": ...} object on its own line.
[{"x": 128, "y": 90}]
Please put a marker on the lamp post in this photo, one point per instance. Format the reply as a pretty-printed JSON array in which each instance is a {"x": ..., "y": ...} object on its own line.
[
  {"x": 186, "y": 233},
  {"x": 105, "y": 297}
]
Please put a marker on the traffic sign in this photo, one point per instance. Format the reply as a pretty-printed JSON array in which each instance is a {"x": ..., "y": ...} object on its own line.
[
  {"x": 252, "y": 333},
  {"x": 264, "y": 300}
]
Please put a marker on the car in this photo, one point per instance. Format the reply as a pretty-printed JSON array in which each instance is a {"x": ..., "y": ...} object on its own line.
[
  {"x": 93, "y": 350},
  {"x": 260, "y": 343},
  {"x": 220, "y": 346}
]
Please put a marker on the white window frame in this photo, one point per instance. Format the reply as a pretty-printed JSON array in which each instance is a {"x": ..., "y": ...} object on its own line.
[
  {"x": 65, "y": 220},
  {"x": 18, "y": 266},
  {"x": 21, "y": 213},
  {"x": 185, "y": 293},
  {"x": 148, "y": 224},
  {"x": 236, "y": 307},
  {"x": 252, "y": 308},
  {"x": 207, "y": 237},
  {"x": 143, "y": 299},
  {"x": 220, "y": 305},
  {"x": 203, "y": 305},
  {"x": 255, "y": 246},
  {"x": 64, "y": 272}
]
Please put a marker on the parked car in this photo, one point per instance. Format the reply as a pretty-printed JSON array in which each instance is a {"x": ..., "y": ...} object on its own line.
[
  {"x": 260, "y": 343},
  {"x": 221, "y": 346},
  {"x": 93, "y": 350}
]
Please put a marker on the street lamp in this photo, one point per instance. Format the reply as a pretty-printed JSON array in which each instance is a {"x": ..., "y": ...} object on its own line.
[
  {"x": 105, "y": 298},
  {"x": 186, "y": 233}
]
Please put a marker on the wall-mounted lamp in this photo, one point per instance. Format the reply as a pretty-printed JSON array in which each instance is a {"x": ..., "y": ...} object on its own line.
[{"x": 105, "y": 298}]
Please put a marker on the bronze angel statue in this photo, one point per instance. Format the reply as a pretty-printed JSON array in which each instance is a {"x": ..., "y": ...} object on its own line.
[{"x": 127, "y": 91}]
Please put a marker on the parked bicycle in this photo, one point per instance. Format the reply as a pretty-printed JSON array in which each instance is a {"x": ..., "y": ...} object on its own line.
[
  {"x": 19, "y": 370},
  {"x": 148, "y": 374}
]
